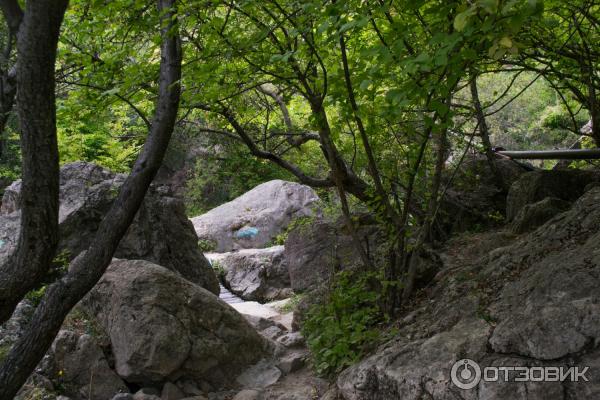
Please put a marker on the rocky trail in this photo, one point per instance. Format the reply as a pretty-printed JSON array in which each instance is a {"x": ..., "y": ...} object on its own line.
[{"x": 288, "y": 375}]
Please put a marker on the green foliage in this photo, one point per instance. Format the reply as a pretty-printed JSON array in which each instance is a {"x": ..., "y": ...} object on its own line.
[
  {"x": 291, "y": 304},
  {"x": 10, "y": 159},
  {"x": 218, "y": 268},
  {"x": 58, "y": 268},
  {"x": 339, "y": 331},
  {"x": 207, "y": 245},
  {"x": 4, "y": 350},
  {"x": 225, "y": 174},
  {"x": 296, "y": 223},
  {"x": 81, "y": 322},
  {"x": 535, "y": 119},
  {"x": 106, "y": 137}
]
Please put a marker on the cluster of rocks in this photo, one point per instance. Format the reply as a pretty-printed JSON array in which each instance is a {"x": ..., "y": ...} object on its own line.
[
  {"x": 521, "y": 295},
  {"x": 160, "y": 233},
  {"x": 506, "y": 300},
  {"x": 160, "y": 329},
  {"x": 240, "y": 235}
]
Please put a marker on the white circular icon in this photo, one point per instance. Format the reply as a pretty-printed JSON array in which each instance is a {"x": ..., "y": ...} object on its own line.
[{"x": 465, "y": 374}]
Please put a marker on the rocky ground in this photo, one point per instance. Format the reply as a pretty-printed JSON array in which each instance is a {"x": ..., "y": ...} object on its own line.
[{"x": 521, "y": 293}]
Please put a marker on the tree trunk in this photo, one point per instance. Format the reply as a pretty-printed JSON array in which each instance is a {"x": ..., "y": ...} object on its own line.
[
  {"x": 88, "y": 267},
  {"x": 425, "y": 230},
  {"x": 36, "y": 51},
  {"x": 8, "y": 92},
  {"x": 485, "y": 133}
]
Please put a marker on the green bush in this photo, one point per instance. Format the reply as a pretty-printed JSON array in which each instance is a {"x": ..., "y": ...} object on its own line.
[
  {"x": 207, "y": 245},
  {"x": 298, "y": 222},
  {"x": 224, "y": 174},
  {"x": 339, "y": 331}
]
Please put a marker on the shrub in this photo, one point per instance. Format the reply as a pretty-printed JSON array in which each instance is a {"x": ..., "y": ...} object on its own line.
[
  {"x": 207, "y": 245},
  {"x": 339, "y": 331}
]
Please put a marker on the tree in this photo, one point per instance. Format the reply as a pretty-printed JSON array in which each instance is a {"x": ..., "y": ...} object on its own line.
[
  {"x": 373, "y": 84},
  {"x": 563, "y": 47},
  {"x": 36, "y": 44}
]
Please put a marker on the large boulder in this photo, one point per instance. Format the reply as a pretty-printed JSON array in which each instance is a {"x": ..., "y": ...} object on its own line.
[
  {"x": 535, "y": 186},
  {"x": 160, "y": 233},
  {"x": 552, "y": 310},
  {"x": 255, "y": 218},
  {"x": 411, "y": 369},
  {"x": 315, "y": 252},
  {"x": 255, "y": 274},
  {"x": 81, "y": 368},
  {"x": 533, "y": 215},
  {"x": 164, "y": 328},
  {"x": 474, "y": 198},
  {"x": 532, "y": 303}
]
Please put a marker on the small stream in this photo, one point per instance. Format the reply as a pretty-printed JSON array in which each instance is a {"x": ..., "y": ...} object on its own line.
[
  {"x": 249, "y": 307},
  {"x": 229, "y": 297}
]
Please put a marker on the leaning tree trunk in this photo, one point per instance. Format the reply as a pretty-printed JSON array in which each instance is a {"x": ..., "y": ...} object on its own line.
[{"x": 88, "y": 267}]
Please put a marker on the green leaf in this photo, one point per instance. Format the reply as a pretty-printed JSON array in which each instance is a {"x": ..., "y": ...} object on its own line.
[
  {"x": 506, "y": 42},
  {"x": 462, "y": 19},
  {"x": 490, "y": 6},
  {"x": 347, "y": 26},
  {"x": 364, "y": 85}
]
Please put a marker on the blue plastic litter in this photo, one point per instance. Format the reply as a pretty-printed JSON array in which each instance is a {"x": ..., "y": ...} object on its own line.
[{"x": 246, "y": 233}]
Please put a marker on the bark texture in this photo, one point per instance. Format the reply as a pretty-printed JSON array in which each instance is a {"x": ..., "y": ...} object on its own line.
[
  {"x": 36, "y": 52},
  {"x": 87, "y": 268}
]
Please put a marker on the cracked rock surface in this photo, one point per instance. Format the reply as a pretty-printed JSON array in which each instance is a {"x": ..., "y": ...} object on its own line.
[
  {"x": 501, "y": 300},
  {"x": 162, "y": 327}
]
